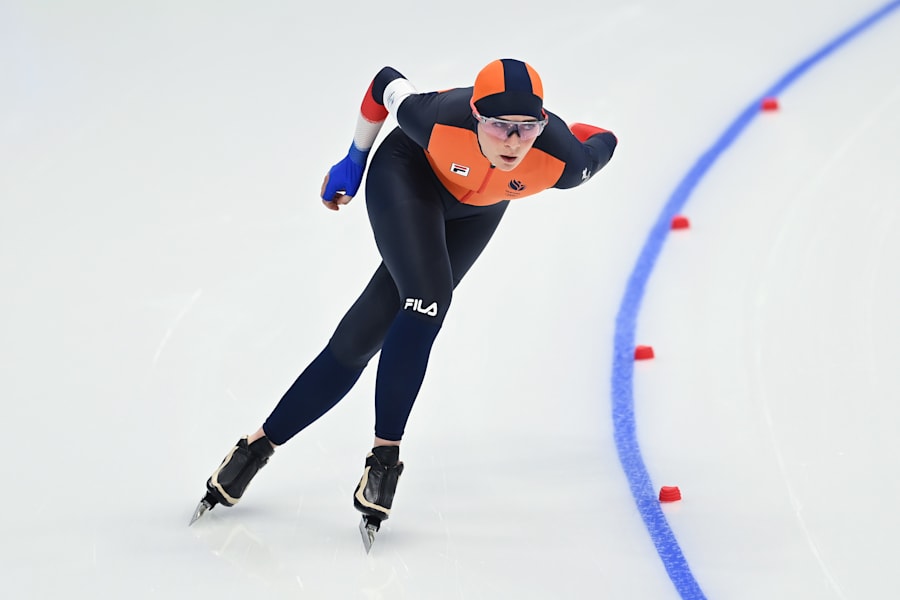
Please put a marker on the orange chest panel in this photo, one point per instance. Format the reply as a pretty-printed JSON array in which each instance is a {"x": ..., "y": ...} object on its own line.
[{"x": 457, "y": 161}]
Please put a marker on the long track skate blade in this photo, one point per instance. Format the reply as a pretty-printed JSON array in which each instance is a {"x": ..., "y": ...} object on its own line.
[
  {"x": 368, "y": 527},
  {"x": 205, "y": 505}
]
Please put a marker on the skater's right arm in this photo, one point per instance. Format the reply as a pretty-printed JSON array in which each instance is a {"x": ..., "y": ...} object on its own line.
[{"x": 385, "y": 94}]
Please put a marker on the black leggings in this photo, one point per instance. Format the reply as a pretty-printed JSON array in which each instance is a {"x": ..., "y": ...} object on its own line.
[{"x": 428, "y": 241}]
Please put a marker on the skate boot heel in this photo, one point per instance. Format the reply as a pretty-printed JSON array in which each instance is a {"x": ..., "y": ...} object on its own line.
[
  {"x": 375, "y": 493},
  {"x": 227, "y": 484}
]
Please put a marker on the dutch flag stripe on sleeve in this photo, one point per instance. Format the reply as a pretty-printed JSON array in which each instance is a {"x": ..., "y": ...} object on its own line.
[{"x": 371, "y": 118}]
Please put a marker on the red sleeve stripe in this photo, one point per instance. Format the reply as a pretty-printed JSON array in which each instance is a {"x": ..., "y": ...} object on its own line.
[
  {"x": 372, "y": 111},
  {"x": 583, "y": 131}
]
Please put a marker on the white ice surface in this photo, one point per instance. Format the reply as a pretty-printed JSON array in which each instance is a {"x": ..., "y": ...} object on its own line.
[{"x": 167, "y": 270}]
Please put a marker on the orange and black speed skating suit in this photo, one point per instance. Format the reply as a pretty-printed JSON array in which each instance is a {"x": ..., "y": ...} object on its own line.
[{"x": 434, "y": 201}]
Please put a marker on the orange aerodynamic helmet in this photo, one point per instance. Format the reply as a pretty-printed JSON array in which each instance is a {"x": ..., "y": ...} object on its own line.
[{"x": 508, "y": 87}]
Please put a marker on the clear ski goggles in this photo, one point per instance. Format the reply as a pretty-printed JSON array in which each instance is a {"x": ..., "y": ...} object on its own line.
[{"x": 503, "y": 129}]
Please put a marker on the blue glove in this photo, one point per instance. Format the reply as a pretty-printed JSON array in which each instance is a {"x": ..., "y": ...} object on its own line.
[{"x": 346, "y": 176}]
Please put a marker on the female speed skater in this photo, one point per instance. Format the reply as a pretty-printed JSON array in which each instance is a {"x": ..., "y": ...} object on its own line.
[{"x": 437, "y": 187}]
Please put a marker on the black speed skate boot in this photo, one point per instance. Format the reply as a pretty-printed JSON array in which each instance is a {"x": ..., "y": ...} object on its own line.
[
  {"x": 375, "y": 493},
  {"x": 227, "y": 483}
]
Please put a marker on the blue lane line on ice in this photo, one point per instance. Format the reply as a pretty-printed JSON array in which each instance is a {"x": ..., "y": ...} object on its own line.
[{"x": 629, "y": 451}]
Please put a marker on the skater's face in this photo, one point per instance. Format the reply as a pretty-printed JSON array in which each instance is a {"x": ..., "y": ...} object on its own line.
[{"x": 505, "y": 140}]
